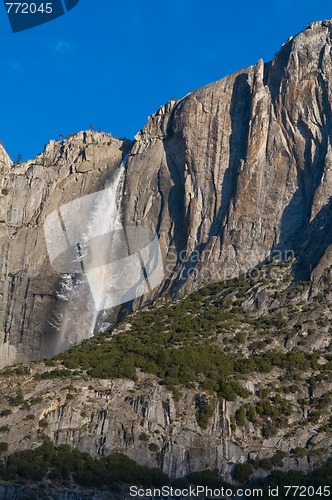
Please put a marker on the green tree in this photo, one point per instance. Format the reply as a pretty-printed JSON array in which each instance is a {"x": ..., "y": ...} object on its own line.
[
  {"x": 240, "y": 416},
  {"x": 3, "y": 446},
  {"x": 242, "y": 472}
]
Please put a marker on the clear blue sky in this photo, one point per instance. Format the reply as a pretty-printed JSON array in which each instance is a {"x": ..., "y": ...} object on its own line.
[{"x": 111, "y": 64}]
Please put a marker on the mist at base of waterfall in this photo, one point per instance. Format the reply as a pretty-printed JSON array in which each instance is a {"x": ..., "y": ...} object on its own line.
[{"x": 80, "y": 315}]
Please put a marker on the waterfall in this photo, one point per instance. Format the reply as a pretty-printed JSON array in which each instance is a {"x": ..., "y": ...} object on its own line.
[
  {"x": 82, "y": 295},
  {"x": 103, "y": 264}
]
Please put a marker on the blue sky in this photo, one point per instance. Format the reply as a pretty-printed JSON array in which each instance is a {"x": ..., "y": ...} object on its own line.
[{"x": 111, "y": 64}]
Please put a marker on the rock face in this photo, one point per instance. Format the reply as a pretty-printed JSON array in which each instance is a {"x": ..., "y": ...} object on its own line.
[
  {"x": 145, "y": 422},
  {"x": 226, "y": 176},
  {"x": 29, "y": 192},
  {"x": 285, "y": 404},
  {"x": 241, "y": 168}
]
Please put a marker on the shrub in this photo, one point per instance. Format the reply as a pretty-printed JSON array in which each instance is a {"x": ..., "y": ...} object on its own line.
[
  {"x": 278, "y": 458},
  {"x": 208, "y": 478},
  {"x": 36, "y": 400},
  {"x": 50, "y": 362},
  {"x": 56, "y": 374},
  {"x": 19, "y": 398},
  {"x": 269, "y": 430},
  {"x": 242, "y": 472},
  {"x": 204, "y": 410},
  {"x": 240, "y": 416},
  {"x": 176, "y": 394},
  {"x": 153, "y": 447},
  {"x": 265, "y": 464},
  {"x": 6, "y": 412},
  {"x": 252, "y": 414},
  {"x": 43, "y": 423},
  {"x": 300, "y": 452},
  {"x": 3, "y": 446}
]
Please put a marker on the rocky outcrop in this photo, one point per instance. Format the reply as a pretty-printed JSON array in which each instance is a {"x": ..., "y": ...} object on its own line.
[
  {"x": 145, "y": 422},
  {"x": 5, "y": 160},
  {"x": 29, "y": 287},
  {"x": 228, "y": 175},
  {"x": 241, "y": 168},
  {"x": 273, "y": 398}
]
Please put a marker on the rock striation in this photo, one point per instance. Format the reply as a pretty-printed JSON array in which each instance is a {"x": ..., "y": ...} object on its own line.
[
  {"x": 241, "y": 168},
  {"x": 284, "y": 407},
  {"x": 229, "y": 175},
  {"x": 29, "y": 192}
]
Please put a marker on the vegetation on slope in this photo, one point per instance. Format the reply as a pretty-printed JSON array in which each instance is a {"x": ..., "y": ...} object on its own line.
[
  {"x": 259, "y": 342},
  {"x": 216, "y": 340},
  {"x": 64, "y": 465}
]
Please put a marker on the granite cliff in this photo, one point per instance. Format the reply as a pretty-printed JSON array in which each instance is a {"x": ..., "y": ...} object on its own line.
[
  {"x": 228, "y": 175},
  {"x": 242, "y": 167},
  {"x": 29, "y": 287},
  {"x": 236, "y": 373}
]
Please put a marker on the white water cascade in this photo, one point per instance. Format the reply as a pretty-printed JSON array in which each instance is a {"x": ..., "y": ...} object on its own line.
[
  {"x": 83, "y": 294},
  {"x": 102, "y": 263}
]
